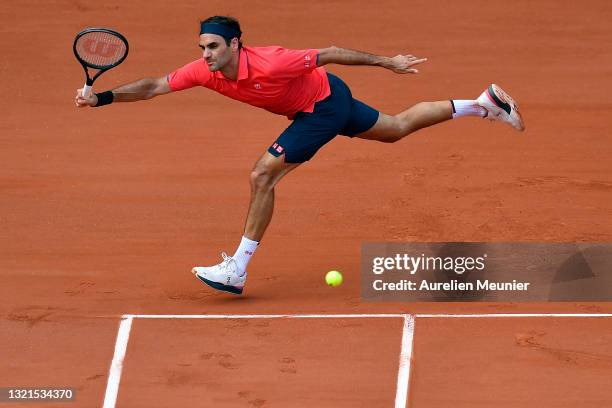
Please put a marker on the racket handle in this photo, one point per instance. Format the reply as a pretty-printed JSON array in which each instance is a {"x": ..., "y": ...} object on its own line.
[{"x": 86, "y": 91}]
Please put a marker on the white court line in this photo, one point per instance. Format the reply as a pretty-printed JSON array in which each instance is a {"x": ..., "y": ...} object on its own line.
[
  {"x": 403, "y": 375},
  {"x": 114, "y": 374},
  {"x": 264, "y": 316},
  {"x": 348, "y": 316}
]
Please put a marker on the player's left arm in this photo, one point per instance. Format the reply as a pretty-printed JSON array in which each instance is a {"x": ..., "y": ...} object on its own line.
[{"x": 401, "y": 64}]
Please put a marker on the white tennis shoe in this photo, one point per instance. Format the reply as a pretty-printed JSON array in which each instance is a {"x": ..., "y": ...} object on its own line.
[
  {"x": 224, "y": 276},
  {"x": 501, "y": 107}
]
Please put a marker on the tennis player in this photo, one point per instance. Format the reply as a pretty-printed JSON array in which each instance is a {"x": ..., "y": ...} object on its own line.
[{"x": 294, "y": 83}]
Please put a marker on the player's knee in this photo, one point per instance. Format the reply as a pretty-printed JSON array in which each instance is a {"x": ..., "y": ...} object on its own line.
[
  {"x": 395, "y": 134},
  {"x": 261, "y": 179},
  {"x": 397, "y": 130}
]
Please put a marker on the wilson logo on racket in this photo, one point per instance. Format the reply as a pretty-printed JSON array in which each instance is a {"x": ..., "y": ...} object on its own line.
[{"x": 99, "y": 48}]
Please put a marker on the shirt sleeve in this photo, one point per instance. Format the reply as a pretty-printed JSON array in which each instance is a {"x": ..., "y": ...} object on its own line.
[
  {"x": 293, "y": 63},
  {"x": 193, "y": 74}
]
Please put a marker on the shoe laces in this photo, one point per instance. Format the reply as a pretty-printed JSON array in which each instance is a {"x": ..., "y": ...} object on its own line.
[{"x": 227, "y": 261}]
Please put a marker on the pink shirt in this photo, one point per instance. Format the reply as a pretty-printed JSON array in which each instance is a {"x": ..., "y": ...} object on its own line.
[{"x": 279, "y": 80}]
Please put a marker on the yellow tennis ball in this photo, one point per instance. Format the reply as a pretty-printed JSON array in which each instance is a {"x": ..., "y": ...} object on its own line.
[{"x": 333, "y": 278}]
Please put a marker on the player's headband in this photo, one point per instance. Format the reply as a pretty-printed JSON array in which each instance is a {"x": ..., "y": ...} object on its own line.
[{"x": 220, "y": 29}]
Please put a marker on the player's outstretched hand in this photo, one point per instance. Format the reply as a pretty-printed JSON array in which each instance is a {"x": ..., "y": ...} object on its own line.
[
  {"x": 82, "y": 102},
  {"x": 403, "y": 64}
]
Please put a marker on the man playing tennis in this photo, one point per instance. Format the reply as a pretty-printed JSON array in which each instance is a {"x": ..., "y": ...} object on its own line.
[{"x": 294, "y": 83}]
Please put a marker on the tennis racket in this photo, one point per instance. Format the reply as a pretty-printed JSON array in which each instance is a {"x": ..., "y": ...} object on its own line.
[{"x": 101, "y": 49}]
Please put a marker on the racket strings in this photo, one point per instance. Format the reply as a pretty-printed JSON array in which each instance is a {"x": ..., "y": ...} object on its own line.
[{"x": 100, "y": 49}]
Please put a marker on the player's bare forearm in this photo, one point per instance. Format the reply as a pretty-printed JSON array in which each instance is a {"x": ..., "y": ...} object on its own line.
[
  {"x": 140, "y": 90},
  {"x": 402, "y": 64},
  {"x": 345, "y": 56}
]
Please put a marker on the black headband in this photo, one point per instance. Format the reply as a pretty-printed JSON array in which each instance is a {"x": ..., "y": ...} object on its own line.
[{"x": 220, "y": 29}]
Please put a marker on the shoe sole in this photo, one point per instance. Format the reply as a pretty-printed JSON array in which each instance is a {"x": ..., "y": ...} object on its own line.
[
  {"x": 219, "y": 286},
  {"x": 503, "y": 101}
]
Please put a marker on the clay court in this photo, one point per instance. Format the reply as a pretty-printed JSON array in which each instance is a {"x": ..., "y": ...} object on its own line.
[{"x": 103, "y": 212}]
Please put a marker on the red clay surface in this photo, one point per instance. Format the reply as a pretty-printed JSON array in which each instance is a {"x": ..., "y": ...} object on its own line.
[
  {"x": 525, "y": 362},
  {"x": 308, "y": 362},
  {"x": 104, "y": 212},
  {"x": 40, "y": 350}
]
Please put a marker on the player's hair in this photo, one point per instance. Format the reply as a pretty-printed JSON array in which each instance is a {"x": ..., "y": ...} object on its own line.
[{"x": 226, "y": 21}]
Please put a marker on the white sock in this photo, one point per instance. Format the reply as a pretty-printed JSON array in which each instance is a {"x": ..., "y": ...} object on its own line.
[
  {"x": 463, "y": 107},
  {"x": 243, "y": 254}
]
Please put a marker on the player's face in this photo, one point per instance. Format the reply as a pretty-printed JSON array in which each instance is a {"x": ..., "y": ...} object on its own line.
[{"x": 216, "y": 52}]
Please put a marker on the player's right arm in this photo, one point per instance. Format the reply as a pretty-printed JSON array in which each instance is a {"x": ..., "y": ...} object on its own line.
[{"x": 140, "y": 90}]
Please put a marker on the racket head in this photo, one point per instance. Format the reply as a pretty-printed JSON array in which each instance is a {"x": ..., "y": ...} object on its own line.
[{"x": 100, "y": 48}]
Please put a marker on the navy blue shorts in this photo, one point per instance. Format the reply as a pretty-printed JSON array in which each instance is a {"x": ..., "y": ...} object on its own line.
[{"x": 338, "y": 114}]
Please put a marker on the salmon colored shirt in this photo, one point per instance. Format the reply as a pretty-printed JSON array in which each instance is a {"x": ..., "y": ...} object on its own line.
[{"x": 279, "y": 80}]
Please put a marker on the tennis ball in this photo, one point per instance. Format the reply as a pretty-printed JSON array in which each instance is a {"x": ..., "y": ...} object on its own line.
[{"x": 333, "y": 278}]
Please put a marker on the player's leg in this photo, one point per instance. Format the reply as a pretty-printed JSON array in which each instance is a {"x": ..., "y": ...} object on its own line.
[
  {"x": 266, "y": 173},
  {"x": 230, "y": 275},
  {"x": 391, "y": 128},
  {"x": 494, "y": 104}
]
